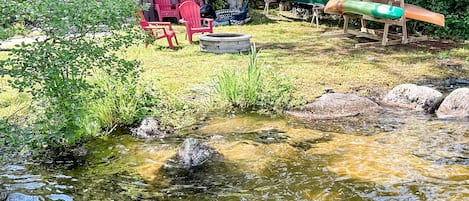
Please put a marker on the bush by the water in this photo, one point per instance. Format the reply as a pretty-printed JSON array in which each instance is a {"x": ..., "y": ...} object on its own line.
[
  {"x": 123, "y": 102},
  {"x": 456, "y": 18},
  {"x": 258, "y": 89},
  {"x": 58, "y": 72}
]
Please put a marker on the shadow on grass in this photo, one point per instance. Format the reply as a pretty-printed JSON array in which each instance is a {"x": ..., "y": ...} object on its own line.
[
  {"x": 258, "y": 18},
  {"x": 430, "y": 45},
  {"x": 286, "y": 49}
]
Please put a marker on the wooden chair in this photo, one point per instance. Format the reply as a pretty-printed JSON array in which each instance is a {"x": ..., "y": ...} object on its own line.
[
  {"x": 190, "y": 12},
  {"x": 165, "y": 8},
  {"x": 164, "y": 28}
]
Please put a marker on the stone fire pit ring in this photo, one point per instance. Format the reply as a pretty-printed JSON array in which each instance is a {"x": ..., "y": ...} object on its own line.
[{"x": 225, "y": 42}]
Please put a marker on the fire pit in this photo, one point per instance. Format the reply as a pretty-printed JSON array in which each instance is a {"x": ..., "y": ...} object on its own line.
[{"x": 225, "y": 42}]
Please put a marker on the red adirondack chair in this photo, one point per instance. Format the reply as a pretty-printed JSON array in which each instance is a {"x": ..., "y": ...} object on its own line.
[
  {"x": 154, "y": 27},
  {"x": 199, "y": 2},
  {"x": 190, "y": 13},
  {"x": 164, "y": 8}
]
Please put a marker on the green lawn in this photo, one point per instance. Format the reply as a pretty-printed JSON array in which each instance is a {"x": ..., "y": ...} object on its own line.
[
  {"x": 296, "y": 49},
  {"x": 311, "y": 61}
]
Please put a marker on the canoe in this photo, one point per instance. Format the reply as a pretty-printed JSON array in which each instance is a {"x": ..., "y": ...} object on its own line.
[
  {"x": 377, "y": 10},
  {"x": 424, "y": 15}
]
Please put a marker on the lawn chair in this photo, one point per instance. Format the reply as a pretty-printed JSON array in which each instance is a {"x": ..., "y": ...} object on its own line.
[
  {"x": 190, "y": 13},
  {"x": 165, "y": 8},
  {"x": 154, "y": 27}
]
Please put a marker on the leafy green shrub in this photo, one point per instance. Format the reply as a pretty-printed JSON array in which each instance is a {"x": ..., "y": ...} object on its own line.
[
  {"x": 57, "y": 72},
  {"x": 456, "y": 18},
  {"x": 218, "y": 4},
  {"x": 10, "y": 138},
  {"x": 260, "y": 89}
]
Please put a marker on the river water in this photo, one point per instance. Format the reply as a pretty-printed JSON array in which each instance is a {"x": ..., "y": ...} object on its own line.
[{"x": 397, "y": 155}]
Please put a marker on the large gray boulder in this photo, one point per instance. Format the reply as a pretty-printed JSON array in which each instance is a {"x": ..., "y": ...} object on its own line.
[
  {"x": 336, "y": 105},
  {"x": 455, "y": 105},
  {"x": 419, "y": 98},
  {"x": 149, "y": 127}
]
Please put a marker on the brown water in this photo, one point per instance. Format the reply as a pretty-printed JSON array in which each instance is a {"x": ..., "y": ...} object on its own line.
[{"x": 393, "y": 156}]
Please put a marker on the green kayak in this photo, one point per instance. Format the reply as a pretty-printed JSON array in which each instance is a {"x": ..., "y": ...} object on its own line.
[{"x": 364, "y": 8}]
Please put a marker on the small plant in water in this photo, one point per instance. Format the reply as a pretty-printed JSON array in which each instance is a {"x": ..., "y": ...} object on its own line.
[{"x": 259, "y": 89}]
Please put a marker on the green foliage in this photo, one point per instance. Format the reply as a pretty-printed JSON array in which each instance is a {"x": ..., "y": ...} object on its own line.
[
  {"x": 10, "y": 137},
  {"x": 60, "y": 18},
  {"x": 260, "y": 89},
  {"x": 57, "y": 71},
  {"x": 456, "y": 18},
  {"x": 218, "y": 4},
  {"x": 122, "y": 101}
]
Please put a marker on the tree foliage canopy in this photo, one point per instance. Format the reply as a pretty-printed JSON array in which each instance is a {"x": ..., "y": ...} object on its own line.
[{"x": 82, "y": 38}]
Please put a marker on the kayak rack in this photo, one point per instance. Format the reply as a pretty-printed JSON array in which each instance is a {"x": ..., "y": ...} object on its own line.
[{"x": 382, "y": 37}]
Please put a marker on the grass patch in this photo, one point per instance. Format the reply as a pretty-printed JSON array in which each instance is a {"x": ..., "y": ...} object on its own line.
[{"x": 256, "y": 89}]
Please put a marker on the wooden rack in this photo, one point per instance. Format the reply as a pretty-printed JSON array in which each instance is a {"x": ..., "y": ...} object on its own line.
[{"x": 382, "y": 37}]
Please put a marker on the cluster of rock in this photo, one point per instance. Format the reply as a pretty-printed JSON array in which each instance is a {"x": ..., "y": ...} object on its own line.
[
  {"x": 192, "y": 153},
  {"x": 419, "y": 98}
]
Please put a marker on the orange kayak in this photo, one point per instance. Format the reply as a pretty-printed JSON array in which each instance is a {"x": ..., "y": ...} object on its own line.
[{"x": 422, "y": 14}]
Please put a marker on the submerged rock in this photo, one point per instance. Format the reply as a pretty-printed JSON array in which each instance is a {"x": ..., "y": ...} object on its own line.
[
  {"x": 149, "y": 127},
  {"x": 420, "y": 98},
  {"x": 455, "y": 105},
  {"x": 336, "y": 105},
  {"x": 192, "y": 153},
  {"x": 444, "y": 148}
]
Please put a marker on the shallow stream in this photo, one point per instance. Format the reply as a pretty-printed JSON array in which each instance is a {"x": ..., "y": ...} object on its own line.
[{"x": 397, "y": 155}]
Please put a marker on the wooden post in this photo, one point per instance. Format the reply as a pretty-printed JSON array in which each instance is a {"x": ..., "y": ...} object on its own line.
[
  {"x": 404, "y": 24},
  {"x": 346, "y": 20}
]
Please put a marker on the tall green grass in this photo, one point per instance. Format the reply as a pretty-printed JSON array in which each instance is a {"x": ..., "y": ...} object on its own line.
[
  {"x": 121, "y": 102},
  {"x": 125, "y": 102},
  {"x": 258, "y": 88}
]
